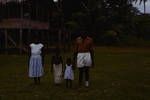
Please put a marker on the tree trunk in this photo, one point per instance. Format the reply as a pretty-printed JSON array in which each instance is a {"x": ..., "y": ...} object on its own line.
[{"x": 144, "y": 6}]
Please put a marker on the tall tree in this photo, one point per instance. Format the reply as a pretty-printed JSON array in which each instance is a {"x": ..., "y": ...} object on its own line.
[
  {"x": 144, "y": 3},
  {"x": 140, "y": 2}
]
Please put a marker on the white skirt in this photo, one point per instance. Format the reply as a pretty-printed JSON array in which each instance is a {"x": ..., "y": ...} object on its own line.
[
  {"x": 57, "y": 69},
  {"x": 35, "y": 66},
  {"x": 84, "y": 59}
]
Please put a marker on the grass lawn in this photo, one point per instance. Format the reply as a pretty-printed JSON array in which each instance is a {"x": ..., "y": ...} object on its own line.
[{"x": 119, "y": 74}]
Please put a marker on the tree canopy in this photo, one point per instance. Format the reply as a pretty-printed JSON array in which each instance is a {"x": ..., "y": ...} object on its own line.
[{"x": 101, "y": 18}]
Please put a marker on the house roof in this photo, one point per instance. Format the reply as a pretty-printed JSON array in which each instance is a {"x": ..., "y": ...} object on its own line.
[{"x": 23, "y": 23}]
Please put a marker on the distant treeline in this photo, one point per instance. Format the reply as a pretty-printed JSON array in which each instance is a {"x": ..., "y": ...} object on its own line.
[{"x": 107, "y": 21}]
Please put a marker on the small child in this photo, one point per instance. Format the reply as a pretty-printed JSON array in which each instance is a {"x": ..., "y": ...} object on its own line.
[
  {"x": 36, "y": 61},
  {"x": 68, "y": 74},
  {"x": 57, "y": 67}
]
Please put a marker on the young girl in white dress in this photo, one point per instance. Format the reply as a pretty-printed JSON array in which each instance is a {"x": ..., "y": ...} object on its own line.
[
  {"x": 36, "y": 61},
  {"x": 68, "y": 74},
  {"x": 57, "y": 67}
]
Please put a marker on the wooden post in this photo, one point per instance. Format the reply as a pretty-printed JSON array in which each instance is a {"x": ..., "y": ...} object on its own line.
[
  {"x": 6, "y": 41},
  {"x": 59, "y": 37},
  {"x": 48, "y": 38},
  {"x": 21, "y": 29},
  {"x": 20, "y": 41},
  {"x": 29, "y": 36}
]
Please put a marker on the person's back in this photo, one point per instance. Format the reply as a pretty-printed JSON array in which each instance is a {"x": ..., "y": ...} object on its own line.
[
  {"x": 56, "y": 60},
  {"x": 68, "y": 74},
  {"x": 36, "y": 48},
  {"x": 57, "y": 68},
  {"x": 83, "y": 56},
  {"x": 84, "y": 44},
  {"x": 36, "y": 61}
]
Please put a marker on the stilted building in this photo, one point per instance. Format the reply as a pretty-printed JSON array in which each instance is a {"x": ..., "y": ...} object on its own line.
[
  {"x": 21, "y": 20},
  {"x": 17, "y": 33}
]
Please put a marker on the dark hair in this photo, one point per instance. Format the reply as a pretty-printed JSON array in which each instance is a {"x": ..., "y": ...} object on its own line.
[
  {"x": 84, "y": 33},
  {"x": 57, "y": 50},
  {"x": 35, "y": 38},
  {"x": 68, "y": 61}
]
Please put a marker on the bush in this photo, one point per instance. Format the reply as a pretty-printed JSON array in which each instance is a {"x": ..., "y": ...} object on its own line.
[{"x": 110, "y": 37}]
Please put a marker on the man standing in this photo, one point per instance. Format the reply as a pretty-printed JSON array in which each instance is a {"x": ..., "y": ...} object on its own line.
[{"x": 83, "y": 56}]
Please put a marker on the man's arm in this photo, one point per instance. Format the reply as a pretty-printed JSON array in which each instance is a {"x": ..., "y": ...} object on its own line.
[
  {"x": 92, "y": 57},
  {"x": 92, "y": 52}
]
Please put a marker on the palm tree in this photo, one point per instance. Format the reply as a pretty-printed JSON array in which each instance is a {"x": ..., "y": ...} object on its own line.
[{"x": 144, "y": 3}]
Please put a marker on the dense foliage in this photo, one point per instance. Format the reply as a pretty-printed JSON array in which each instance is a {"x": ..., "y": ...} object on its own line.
[{"x": 108, "y": 21}]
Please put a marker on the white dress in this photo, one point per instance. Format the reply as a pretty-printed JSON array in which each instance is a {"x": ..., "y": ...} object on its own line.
[
  {"x": 35, "y": 63},
  {"x": 69, "y": 72},
  {"x": 57, "y": 68}
]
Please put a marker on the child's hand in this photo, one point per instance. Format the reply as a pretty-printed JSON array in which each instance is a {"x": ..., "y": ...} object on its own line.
[{"x": 73, "y": 67}]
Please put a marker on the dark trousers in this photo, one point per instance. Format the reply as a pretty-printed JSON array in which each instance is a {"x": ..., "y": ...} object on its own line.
[
  {"x": 37, "y": 80},
  {"x": 68, "y": 83},
  {"x": 83, "y": 73}
]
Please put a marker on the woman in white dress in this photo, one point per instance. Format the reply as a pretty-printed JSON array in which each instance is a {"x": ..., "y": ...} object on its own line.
[
  {"x": 36, "y": 62},
  {"x": 57, "y": 67},
  {"x": 69, "y": 75}
]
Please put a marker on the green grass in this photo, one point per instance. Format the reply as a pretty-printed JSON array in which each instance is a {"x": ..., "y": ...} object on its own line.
[{"x": 119, "y": 74}]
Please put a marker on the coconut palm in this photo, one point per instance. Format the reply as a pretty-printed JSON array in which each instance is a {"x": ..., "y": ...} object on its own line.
[
  {"x": 144, "y": 3},
  {"x": 140, "y": 2}
]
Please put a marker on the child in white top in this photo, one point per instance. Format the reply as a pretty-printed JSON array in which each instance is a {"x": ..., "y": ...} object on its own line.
[{"x": 69, "y": 75}]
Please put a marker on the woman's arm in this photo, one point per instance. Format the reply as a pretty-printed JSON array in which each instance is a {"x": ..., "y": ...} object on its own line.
[
  {"x": 52, "y": 62},
  {"x": 43, "y": 56},
  {"x": 61, "y": 61}
]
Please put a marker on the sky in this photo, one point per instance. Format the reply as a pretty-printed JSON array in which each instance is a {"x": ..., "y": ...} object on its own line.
[{"x": 140, "y": 7}]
